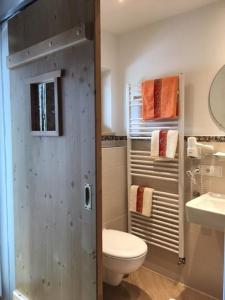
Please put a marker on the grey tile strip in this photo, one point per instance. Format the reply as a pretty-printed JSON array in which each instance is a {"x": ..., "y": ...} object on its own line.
[
  {"x": 121, "y": 141},
  {"x": 209, "y": 139},
  {"x": 114, "y": 138},
  {"x": 109, "y": 141}
]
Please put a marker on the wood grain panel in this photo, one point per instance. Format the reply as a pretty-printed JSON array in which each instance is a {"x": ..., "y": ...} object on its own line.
[
  {"x": 45, "y": 19},
  {"x": 55, "y": 235}
]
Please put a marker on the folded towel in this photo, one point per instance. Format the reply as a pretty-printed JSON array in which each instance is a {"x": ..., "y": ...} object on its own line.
[
  {"x": 160, "y": 98},
  {"x": 148, "y": 99},
  {"x": 164, "y": 143},
  {"x": 172, "y": 141},
  {"x": 169, "y": 96},
  {"x": 141, "y": 200},
  {"x": 133, "y": 197},
  {"x": 155, "y": 143},
  {"x": 147, "y": 202},
  {"x": 157, "y": 98}
]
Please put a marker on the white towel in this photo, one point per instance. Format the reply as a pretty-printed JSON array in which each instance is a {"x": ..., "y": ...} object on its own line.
[
  {"x": 145, "y": 200},
  {"x": 133, "y": 197},
  {"x": 171, "y": 147},
  {"x": 171, "y": 144},
  {"x": 155, "y": 143}
]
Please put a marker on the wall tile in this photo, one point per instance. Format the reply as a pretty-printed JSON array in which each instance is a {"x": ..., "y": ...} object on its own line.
[{"x": 114, "y": 187}]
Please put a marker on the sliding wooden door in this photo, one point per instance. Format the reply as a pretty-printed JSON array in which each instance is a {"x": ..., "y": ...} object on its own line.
[{"x": 55, "y": 98}]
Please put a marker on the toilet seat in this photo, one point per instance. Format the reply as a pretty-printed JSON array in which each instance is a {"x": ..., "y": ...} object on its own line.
[{"x": 123, "y": 245}]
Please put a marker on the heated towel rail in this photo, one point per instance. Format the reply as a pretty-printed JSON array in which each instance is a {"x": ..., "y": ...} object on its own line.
[{"x": 165, "y": 227}]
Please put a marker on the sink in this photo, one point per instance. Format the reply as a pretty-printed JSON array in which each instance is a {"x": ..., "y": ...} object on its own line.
[{"x": 207, "y": 210}]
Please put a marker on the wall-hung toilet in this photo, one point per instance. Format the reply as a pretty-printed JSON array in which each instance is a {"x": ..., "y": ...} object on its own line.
[{"x": 123, "y": 253}]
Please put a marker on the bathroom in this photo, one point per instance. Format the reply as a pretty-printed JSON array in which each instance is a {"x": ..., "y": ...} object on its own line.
[
  {"x": 190, "y": 43},
  {"x": 88, "y": 210}
]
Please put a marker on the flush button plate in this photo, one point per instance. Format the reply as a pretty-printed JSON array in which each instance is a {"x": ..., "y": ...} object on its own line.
[{"x": 88, "y": 196}]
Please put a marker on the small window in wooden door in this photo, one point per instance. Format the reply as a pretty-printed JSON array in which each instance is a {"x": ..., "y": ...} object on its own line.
[{"x": 44, "y": 104}]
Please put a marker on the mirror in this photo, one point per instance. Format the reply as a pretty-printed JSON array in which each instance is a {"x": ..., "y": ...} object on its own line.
[{"x": 217, "y": 98}]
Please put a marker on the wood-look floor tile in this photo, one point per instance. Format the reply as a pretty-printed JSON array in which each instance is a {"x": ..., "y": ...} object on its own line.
[{"x": 147, "y": 285}]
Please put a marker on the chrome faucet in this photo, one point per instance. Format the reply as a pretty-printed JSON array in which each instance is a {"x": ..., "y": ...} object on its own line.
[{"x": 192, "y": 174}]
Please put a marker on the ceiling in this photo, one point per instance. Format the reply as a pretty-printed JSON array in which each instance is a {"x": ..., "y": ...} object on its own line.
[{"x": 121, "y": 16}]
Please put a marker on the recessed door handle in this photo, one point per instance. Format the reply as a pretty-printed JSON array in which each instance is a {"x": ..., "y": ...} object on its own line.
[{"x": 87, "y": 196}]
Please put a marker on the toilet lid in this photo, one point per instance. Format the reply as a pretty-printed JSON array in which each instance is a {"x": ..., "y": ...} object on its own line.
[{"x": 122, "y": 244}]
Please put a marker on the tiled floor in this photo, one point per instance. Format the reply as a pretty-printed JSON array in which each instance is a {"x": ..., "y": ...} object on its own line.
[{"x": 147, "y": 285}]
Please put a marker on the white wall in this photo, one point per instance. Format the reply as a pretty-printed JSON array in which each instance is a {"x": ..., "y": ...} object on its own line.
[
  {"x": 110, "y": 63},
  {"x": 192, "y": 43},
  {"x": 106, "y": 102}
]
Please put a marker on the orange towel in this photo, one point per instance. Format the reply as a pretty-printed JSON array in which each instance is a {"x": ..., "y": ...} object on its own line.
[
  {"x": 169, "y": 96},
  {"x": 160, "y": 98},
  {"x": 148, "y": 99}
]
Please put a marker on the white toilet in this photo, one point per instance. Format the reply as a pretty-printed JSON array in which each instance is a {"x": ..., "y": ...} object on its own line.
[{"x": 123, "y": 253}]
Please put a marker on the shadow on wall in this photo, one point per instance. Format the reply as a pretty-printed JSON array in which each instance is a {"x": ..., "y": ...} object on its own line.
[
  {"x": 106, "y": 101},
  {"x": 204, "y": 246},
  {"x": 200, "y": 261}
]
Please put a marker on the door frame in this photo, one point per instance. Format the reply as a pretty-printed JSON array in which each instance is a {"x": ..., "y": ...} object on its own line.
[{"x": 99, "y": 267}]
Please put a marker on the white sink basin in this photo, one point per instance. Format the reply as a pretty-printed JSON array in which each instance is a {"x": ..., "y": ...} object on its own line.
[{"x": 207, "y": 210}]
